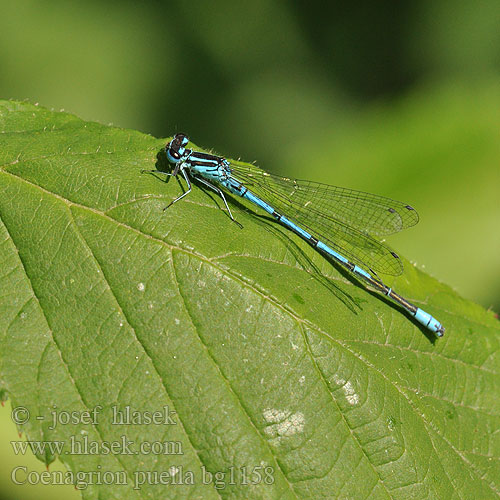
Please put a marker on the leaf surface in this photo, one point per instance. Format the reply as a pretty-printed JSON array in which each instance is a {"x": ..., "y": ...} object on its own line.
[{"x": 267, "y": 357}]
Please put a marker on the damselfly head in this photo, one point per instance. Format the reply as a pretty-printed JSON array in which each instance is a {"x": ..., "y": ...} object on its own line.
[{"x": 176, "y": 147}]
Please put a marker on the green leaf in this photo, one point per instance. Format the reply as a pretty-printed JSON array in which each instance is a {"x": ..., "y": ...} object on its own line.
[{"x": 272, "y": 359}]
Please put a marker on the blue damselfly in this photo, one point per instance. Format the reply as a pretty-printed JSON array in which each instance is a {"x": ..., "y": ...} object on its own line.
[{"x": 342, "y": 223}]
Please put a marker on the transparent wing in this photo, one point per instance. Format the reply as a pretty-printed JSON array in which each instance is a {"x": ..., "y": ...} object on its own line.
[{"x": 343, "y": 218}]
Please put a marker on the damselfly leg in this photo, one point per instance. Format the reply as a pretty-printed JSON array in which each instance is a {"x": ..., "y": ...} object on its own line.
[
  {"x": 185, "y": 175},
  {"x": 221, "y": 194}
]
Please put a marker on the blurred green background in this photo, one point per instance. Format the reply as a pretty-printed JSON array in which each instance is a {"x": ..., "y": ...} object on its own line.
[{"x": 397, "y": 98}]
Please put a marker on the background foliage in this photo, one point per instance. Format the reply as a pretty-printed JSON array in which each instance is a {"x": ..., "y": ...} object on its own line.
[{"x": 397, "y": 98}]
